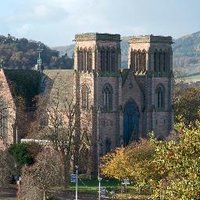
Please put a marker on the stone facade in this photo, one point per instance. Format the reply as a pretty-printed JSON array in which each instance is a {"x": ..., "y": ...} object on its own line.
[
  {"x": 7, "y": 113},
  {"x": 124, "y": 105}
]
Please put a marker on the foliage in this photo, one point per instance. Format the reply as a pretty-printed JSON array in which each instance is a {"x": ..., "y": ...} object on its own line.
[
  {"x": 187, "y": 104},
  {"x": 24, "y": 84},
  {"x": 133, "y": 162},
  {"x": 6, "y": 168},
  {"x": 23, "y": 54},
  {"x": 22, "y": 154},
  {"x": 38, "y": 178},
  {"x": 179, "y": 162},
  {"x": 114, "y": 164}
]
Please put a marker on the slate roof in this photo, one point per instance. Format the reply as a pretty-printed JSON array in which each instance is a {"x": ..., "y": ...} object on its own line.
[{"x": 58, "y": 85}]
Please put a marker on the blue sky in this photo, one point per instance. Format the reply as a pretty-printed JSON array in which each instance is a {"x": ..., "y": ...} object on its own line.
[{"x": 55, "y": 22}]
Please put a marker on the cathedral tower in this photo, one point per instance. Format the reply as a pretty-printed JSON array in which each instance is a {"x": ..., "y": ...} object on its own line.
[
  {"x": 150, "y": 58},
  {"x": 97, "y": 59}
]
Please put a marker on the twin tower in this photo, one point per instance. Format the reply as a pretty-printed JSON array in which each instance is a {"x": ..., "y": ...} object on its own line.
[{"x": 122, "y": 105}]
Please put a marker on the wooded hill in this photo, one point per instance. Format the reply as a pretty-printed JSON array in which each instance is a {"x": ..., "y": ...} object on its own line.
[{"x": 22, "y": 54}]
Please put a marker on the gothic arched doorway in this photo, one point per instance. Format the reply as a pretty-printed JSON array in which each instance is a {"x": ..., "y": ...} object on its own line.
[{"x": 131, "y": 122}]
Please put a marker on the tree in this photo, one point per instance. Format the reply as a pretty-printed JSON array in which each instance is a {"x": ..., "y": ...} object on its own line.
[
  {"x": 178, "y": 162},
  {"x": 24, "y": 153},
  {"x": 59, "y": 116},
  {"x": 187, "y": 104},
  {"x": 6, "y": 168},
  {"x": 38, "y": 178},
  {"x": 133, "y": 162}
]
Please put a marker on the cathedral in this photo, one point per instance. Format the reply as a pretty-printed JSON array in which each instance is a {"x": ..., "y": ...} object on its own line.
[
  {"x": 120, "y": 104},
  {"x": 126, "y": 103}
]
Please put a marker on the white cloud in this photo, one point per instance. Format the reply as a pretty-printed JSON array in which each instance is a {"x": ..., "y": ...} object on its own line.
[{"x": 55, "y": 22}]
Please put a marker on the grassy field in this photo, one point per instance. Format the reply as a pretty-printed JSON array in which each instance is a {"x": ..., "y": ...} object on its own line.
[{"x": 91, "y": 186}]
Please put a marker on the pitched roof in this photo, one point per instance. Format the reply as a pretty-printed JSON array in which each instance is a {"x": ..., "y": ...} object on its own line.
[{"x": 58, "y": 84}]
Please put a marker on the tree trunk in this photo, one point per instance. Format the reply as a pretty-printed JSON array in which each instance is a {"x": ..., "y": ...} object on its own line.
[
  {"x": 44, "y": 195},
  {"x": 64, "y": 169}
]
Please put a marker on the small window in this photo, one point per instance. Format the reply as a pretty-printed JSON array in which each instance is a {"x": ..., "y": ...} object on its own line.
[
  {"x": 85, "y": 97},
  {"x": 107, "y": 97},
  {"x": 160, "y": 97}
]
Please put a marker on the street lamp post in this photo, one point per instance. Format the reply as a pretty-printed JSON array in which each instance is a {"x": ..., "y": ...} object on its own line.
[
  {"x": 99, "y": 179},
  {"x": 98, "y": 150},
  {"x": 76, "y": 194}
]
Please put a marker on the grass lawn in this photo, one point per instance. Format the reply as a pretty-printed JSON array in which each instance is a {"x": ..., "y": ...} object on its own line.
[{"x": 91, "y": 187}]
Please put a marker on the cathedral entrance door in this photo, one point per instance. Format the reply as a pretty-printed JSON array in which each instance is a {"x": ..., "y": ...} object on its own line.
[{"x": 131, "y": 122}]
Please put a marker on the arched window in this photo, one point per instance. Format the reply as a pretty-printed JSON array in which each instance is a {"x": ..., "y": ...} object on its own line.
[
  {"x": 137, "y": 61},
  {"x": 107, "y": 97},
  {"x": 164, "y": 61},
  {"x": 143, "y": 61},
  {"x": 156, "y": 61},
  {"x": 160, "y": 96},
  {"x": 113, "y": 60},
  {"x": 89, "y": 60},
  {"x": 103, "y": 63},
  {"x": 80, "y": 60},
  {"x": 85, "y": 97},
  {"x": 108, "y": 60},
  {"x": 85, "y": 60},
  {"x": 132, "y": 60},
  {"x": 161, "y": 61}
]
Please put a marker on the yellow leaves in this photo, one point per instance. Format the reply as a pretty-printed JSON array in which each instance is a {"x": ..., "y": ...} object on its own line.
[
  {"x": 114, "y": 164},
  {"x": 134, "y": 162}
]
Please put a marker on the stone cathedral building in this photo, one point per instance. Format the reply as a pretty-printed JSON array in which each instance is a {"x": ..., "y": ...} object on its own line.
[
  {"x": 117, "y": 105},
  {"x": 126, "y": 103}
]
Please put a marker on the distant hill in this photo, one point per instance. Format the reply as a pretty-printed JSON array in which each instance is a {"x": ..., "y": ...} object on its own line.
[
  {"x": 22, "y": 54},
  {"x": 186, "y": 52}
]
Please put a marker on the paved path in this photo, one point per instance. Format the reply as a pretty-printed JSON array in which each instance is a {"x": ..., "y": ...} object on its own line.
[{"x": 8, "y": 194}]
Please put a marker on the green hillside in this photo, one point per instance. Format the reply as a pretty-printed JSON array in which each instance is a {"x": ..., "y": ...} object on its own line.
[{"x": 22, "y": 54}]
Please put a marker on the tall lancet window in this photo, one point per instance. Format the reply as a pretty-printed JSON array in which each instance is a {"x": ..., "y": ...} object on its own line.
[
  {"x": 89, "y": 60},
  {"x": 107, "y": 97},
  {"x": 113, "y": 60},
  {"x": 80, "y": 60},
  {"x": 103, "y": 60},
  {"x": 160, "y": 96},
  {"x": 108, "y": 60},
  {"x": 85, "y": 97}
]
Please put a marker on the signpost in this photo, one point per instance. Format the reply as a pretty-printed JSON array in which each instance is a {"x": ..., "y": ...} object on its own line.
[
  {"x": 73, "y": 178},
  {"x": 125, "y": 183}
]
